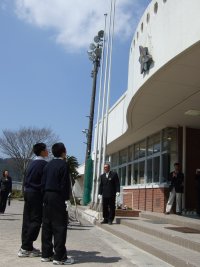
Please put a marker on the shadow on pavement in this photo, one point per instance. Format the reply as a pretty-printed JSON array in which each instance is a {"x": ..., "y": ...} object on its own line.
[
  {"x": 11, "y": 214},
  {"x": 80, "y": 225},
  {"x": 78, "y": 229},
  {"x": 6, "y": 219},
  {"x": 91, "y": 256}
]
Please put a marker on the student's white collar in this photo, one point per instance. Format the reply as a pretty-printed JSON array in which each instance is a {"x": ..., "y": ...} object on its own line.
[{"x": 39, "y": 158}]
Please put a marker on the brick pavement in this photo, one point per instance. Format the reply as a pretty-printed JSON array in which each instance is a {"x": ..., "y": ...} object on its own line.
[{"x": 88, "y": 244}]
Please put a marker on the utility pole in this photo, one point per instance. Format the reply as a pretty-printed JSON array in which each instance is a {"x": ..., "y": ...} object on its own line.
[
  {"x": 94, "y": 53},
  {"x": 92, "y": 105}
]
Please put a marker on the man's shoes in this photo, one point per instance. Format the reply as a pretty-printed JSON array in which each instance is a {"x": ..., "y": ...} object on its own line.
[
  {"x": 167, "y": 213},
  {"x": 104, "y": 221},
  {"x": 23, "y": 253},
  {"x": 110, "y": 222},
  {"x": 29, "y": 253},
  {"x": 47, "y": 259},
  {"x": 67, "y": 261}
]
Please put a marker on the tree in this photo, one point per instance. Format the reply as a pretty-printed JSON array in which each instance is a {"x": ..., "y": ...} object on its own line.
[
  {"x": 18, "y": 144},
  {"x": 73, "y": 165}
]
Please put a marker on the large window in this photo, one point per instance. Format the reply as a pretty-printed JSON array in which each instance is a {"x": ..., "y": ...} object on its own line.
[
  {"x": 114, "y": 159},
  {"x": 122, "y": 175},
  {"x": 123, "y": 156},
  {"x": 156, "y": 169},
  {"x": 148, "y": 161},
  {"x": 156, "y": 143},
  {"x": 169, "y": 141},
  {"x": 166, "y": 167},
  {"x": 129, "y": 174},
  {"x": 135, "y": 173},
  {"x": 136, "y": 151},
  {"x": 150, "y": 146},
  {"x": 153, "y": 144},
  {"x": 130, "y": 153},
  {"x": 142, "y": 152},
  {"x": 149, "y": 171},
  {"x": 141, "y": 172}
]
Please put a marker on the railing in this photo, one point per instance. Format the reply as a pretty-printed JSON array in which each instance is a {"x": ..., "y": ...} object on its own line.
[{"x": 17, "y": 185}]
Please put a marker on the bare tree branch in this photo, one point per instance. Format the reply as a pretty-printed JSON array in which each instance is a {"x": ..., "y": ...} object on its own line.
[{"x": 18, "y": 144}]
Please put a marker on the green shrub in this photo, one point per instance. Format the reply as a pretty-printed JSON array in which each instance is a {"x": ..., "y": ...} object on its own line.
[{"x": 17, "y": 194}]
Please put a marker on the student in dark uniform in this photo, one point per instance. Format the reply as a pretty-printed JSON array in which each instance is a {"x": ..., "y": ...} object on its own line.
[
  {"x": 176, "y": 179},
  {"x": 5, "y": 190},
  {"x": 109, "y": 188},
  {"x": 32, "y": 215},
  {"x": 56, "y": 186}
]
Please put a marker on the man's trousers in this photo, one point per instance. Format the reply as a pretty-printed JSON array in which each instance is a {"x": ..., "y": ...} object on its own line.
[
  {"x": 54, "y": 226},
  {"x": 32, "y": 219},
  {"x": 170, "y": 202},
  {"x": 109, "y": 208},
  {"x": 3, "y": 200}
]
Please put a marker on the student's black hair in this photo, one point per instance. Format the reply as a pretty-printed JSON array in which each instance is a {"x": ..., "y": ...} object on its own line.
[
  {"x": 58, "y": 149},
  {"x": 38, "y": 148},
  {"x": 177, "y": 164},
  {"x": 4, "y": 171}
]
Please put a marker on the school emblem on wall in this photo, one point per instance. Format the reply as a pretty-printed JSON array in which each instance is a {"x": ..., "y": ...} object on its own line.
[{"x": 145, "y": 59}]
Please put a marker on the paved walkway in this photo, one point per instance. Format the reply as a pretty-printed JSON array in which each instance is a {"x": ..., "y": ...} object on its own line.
[{"x": 88, "y": 244}]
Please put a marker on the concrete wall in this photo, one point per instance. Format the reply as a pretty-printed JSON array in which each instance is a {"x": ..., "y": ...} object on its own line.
[
  {"x": 169, "y": 32},
  {"x": 117, "y": 124}
]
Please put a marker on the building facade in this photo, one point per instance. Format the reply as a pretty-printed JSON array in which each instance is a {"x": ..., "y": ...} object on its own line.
[{"x": 157, "y": 120}]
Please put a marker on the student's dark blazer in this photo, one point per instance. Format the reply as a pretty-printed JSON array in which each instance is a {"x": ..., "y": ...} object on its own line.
[
  {"x": 176, "y": 182},
  {"x": 109, "y": 186}
]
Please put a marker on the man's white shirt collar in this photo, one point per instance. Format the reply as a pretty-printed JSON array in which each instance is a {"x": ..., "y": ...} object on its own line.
[
  {"x": 39, "y": 158},
  {"x": 107, "y": 174}
]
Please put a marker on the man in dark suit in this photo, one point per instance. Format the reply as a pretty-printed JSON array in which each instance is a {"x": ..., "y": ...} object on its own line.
[
  {"x": 176, "y": 179},
  {"x": 109, "y": 188}
]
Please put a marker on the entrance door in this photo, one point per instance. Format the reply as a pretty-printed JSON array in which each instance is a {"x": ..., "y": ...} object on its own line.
[{"x": 192, "y": 163}]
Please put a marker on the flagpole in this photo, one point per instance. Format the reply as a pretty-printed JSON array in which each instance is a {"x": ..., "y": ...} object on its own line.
[
  {"x": 103, "y": 103},
  {"x": 109, "y": 82},
  {"x": 98, "y": 115}
]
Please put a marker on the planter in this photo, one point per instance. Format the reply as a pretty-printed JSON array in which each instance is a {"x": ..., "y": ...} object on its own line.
[{"x": 127, "y": 213}]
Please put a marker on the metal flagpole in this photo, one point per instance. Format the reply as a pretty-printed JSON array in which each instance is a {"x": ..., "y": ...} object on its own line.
[
  {"x": 103, "y": 104},
  {"x": 98, "y": 115},
  {"x": 109, "y": 79}
]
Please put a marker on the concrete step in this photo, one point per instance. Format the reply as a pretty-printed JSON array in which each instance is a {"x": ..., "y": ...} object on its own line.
[
  {"x": 160, "y": 230},
  {"x": 172, "y": 219},
  {"x": 173, "y": 254}
]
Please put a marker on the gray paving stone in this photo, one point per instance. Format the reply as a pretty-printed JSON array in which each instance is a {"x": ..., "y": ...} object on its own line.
[{"x": 88, "y": 244}]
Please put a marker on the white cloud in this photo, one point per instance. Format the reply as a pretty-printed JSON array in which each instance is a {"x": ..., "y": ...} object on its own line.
[{"x": 75, "y": 22}]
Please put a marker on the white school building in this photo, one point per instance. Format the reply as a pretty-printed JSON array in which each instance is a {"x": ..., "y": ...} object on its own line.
[{"x": 156, "y": 122}]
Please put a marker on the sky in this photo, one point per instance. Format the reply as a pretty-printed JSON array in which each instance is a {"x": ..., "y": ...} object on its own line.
[{"x": 45, "y": 73}]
